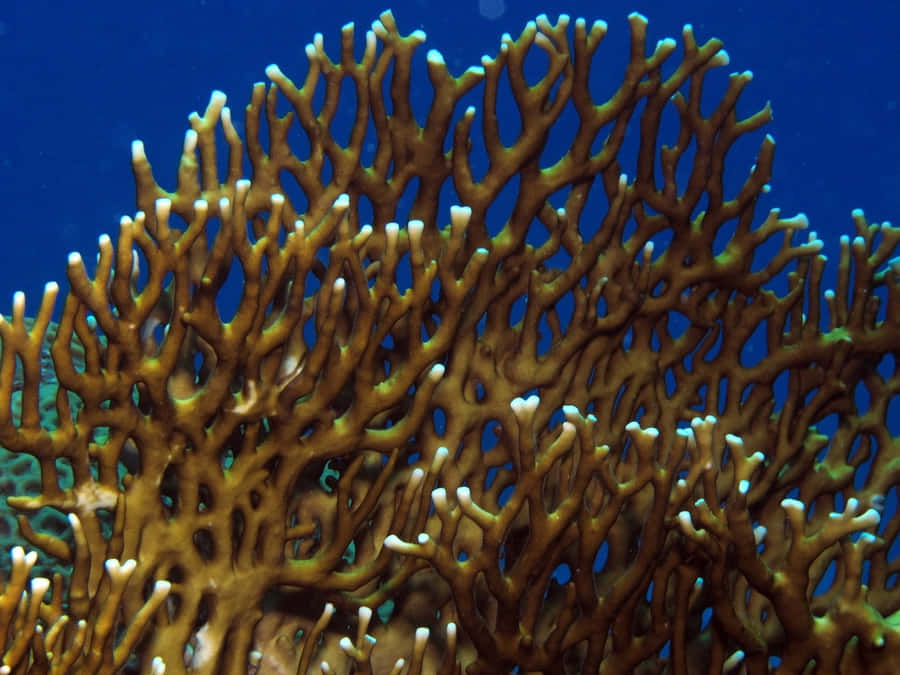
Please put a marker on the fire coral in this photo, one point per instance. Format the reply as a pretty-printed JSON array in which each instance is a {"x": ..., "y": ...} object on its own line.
[{"x": 517, "y": 431}]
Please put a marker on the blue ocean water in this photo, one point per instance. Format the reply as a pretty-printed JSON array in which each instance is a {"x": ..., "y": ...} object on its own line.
[{"x": 80, "y": 81}]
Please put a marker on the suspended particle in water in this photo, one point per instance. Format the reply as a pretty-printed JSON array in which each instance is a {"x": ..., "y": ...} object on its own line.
[{"x": 491, "y": 9}]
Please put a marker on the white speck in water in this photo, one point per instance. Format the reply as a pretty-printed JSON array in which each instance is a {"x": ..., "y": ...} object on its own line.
[{"x": 491, "y": 9}]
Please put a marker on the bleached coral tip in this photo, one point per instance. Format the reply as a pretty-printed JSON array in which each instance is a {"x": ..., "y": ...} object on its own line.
[
  {"x": 638, "y": 18},
  {"x": 273, "y": 71},
  {"x": 733, "y": 661},
  {"x": 75, "y": 259},
  {"x": 217, "y": 99},
  {"x": 137, "y": 150},
  {"x": 871, "y": 518},
  {"x": 666, "y": 45},
  {"x": 721, "y": 58},
  {"x": 39, "y": 585},
  {"x": 460, "y": 215},
  {"x": 793, "y": 505},
  {"x": 434, "y": 57},
  {"x": 799, "y": 222},
  {"x": 759, "y": 533},
  {"x": 392, "y": 541}
]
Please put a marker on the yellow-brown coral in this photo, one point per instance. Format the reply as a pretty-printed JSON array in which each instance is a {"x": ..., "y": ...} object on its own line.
[{"x": 644, "y": 505}]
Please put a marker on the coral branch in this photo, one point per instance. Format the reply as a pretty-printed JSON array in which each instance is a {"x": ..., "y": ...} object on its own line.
[{"x": 528, "y": 408}]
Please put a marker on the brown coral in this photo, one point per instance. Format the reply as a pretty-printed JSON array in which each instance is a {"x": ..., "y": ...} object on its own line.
[{"x": 644, "y": 505}]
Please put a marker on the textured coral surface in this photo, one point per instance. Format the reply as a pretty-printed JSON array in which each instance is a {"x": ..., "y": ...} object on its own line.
[{"x": 520, "y": 430}]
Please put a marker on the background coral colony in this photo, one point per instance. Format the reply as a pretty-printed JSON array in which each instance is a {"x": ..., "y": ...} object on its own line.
[{"x": 78, "y": 83}]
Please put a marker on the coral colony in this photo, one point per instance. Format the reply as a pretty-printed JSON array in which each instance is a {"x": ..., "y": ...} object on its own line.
[{"x": 517, "y": 431}]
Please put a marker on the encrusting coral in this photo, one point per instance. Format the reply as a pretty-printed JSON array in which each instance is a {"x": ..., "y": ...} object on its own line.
[{"x": 518, "y": 434}]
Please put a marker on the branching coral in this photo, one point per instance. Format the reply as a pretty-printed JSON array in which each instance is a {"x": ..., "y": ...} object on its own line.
[{"x": 532, "y": 432}]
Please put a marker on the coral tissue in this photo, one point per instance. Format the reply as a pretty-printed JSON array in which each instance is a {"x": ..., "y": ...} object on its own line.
[{"x": 378, "y": 388}]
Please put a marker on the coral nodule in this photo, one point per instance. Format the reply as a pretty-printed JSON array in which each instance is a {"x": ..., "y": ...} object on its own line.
[{"x": 519, "y": 431}]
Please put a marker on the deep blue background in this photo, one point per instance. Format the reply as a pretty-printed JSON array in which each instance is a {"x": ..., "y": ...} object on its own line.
[{"x": 80, "y": 80}]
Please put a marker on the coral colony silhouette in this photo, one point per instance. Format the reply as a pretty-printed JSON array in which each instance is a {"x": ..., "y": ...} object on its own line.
[{"x": 516, "y": 432}]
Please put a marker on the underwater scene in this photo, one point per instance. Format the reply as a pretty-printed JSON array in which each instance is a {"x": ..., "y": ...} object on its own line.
[{"x": 499, "y": 337}]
